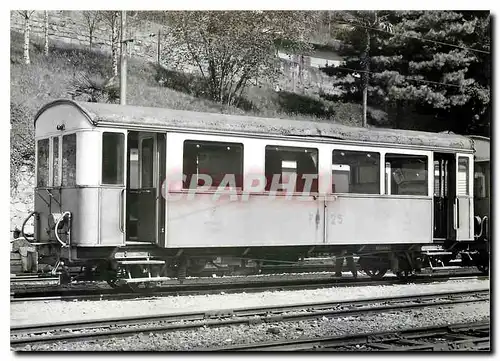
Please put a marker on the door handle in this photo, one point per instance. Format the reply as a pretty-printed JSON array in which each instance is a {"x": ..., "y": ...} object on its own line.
[
  {"x": 455, "y": 215},
  {"x": 121, "y": 210}
]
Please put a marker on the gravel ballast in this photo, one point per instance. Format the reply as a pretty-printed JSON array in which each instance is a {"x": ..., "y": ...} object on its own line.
[
  {"x": 23, "y": 313},
  {"x": 207, "y": 338}
]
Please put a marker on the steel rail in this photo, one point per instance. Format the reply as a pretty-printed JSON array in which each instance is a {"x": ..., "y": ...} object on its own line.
[
  {"x": 250, "y": 315},
  {"x": 462, "y": 336},
  {"x": 217, "y": 287},
  {"x": 33, "y": 278}
]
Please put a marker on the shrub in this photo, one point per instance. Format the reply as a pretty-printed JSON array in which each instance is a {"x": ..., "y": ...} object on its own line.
[{"x": 22, "y": 141}]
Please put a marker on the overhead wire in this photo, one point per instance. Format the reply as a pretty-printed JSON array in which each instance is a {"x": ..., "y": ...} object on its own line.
[
  {"x": 413, "y": 37},
  {"x": 406, "y": 77}
]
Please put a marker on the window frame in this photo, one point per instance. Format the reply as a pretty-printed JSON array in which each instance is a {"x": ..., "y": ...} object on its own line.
[
  {"x": 356, "y": 149},
  {"x": 482, "y": 168},
  {"x": 49, "y": 164},
  {"x": 75, "y": 183},
  {"x": 124, "y": 155},
  {"x": 430, "y": 171},
  {"x": 298, "y": 145},
  {"x": 467, "y": 176},
  {"x": 237, "y": 142}
]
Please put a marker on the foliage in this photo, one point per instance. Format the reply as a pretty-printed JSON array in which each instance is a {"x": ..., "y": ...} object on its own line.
[
  {"x": 94, "y": 89},
  {"x": 184, "y": 82},
  {"x": 231, "y": 48},
  {"x": 429, "y": 77},
  {"x": 22, "y": 140},
  {"x": 455, "y": 82}
]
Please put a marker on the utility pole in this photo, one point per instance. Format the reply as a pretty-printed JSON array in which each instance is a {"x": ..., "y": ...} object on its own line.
[{"x": 123, "y": 63}]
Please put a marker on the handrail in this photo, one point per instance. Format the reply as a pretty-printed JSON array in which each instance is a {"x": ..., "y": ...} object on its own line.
[
  {"x": 57, "y": 227},
  {"x": 24, "y": 224}
]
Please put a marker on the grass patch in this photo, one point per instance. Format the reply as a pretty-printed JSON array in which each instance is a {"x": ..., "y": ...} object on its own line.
[{"x": 49, "y": 78}]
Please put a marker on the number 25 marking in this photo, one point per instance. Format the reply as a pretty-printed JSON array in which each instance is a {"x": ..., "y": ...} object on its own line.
[{"x": 336, "y": 219}]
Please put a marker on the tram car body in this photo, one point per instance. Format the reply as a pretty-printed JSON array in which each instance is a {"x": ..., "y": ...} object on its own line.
[{"x": 135, "y": 191}]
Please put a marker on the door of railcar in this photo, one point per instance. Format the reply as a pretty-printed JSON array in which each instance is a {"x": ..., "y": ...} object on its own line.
[
  {"x": 146, "y": 158},
  {"x": 444, "y": 195},
  {"x": 453, "y": 202},
  {"x": 463, "y": 208},
  {"x": 482, "y": 194}
]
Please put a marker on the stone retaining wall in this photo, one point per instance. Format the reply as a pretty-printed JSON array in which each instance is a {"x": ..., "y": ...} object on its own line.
[
  {"x": 22, "y": 200},
  {"x": 70, "y": 27}
]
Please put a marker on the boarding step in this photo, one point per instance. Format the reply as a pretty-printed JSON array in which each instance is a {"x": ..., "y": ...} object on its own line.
[
  {"x": 134, "y": 242},
  {"x": 437, "y": 253},
  {"x": 140, "y": 261},
  {"x": 435, "y": 268},
  {"x": 143, "y": 279},
  {"x": 126, "y": 255}
]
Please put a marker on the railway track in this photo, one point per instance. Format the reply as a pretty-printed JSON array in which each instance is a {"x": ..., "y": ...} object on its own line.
[
  {"x": 228, "y": 286},
  {"x": 126, "y": 326},
  {"x": 464, "y": 337},
  {"x": 16, "y": 279}
]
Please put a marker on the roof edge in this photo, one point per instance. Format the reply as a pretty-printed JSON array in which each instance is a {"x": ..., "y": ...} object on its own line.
[
  {"x": 481, "y": 137},
  {"x": 88, "y": 115}
]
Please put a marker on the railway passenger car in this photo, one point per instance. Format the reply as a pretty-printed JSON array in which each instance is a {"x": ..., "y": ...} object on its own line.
[
  {"x": 482, "y": 200},
  {"x": 137, "y": 194}
]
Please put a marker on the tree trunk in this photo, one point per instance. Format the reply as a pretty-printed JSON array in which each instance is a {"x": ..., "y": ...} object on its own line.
[
  {"x": 114, "y": 49},
  {"x": 365, "y": 76},
  {"x": 159, "y": 47},
  {"x": 46, "y": 33},
  {"x": 27, "y": 40}
]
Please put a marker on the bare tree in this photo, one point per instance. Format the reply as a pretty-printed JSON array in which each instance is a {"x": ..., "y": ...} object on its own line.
[
  {"x": 230, "y": 48},
  {"x": 26, "y": 14},
  {"x": 92, "y": 20},
  {"x": 46, "y": 49},
  {"x": 111, "y": 18}
]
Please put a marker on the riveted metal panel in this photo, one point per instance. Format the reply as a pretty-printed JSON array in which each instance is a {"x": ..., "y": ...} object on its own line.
[
  {"x": 260, "y": 221},
  {"x": 83, "y": 203},
  {"x": 378, "y": 220},
  {"x": 112, "y": 203},
  {"x": 464, "y": 229},
  {"x": 44, "y": 205}
]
